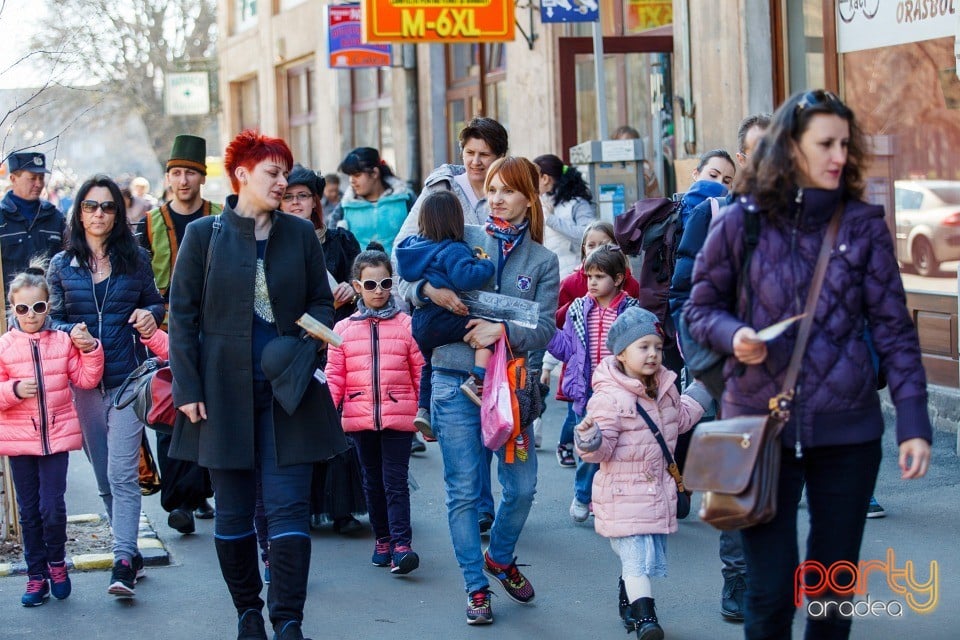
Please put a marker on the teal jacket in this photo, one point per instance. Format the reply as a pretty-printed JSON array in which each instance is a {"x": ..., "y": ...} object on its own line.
[{"x": 377, "y": 221}]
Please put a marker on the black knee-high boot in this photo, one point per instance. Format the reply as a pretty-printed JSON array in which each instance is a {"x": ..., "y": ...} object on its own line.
[
  {"x": 643, "y": 616},
  {"x": 241, "y": 572},
  {"x": 624, "y": 602},
  {"x": 289, "y": 567}
]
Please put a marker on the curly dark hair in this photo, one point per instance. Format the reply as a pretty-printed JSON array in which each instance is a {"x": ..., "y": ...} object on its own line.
[
  {"x": 771, "y": 173},
  {"x": 568, "y": 183},
  {"x": 121, "y": 246}
]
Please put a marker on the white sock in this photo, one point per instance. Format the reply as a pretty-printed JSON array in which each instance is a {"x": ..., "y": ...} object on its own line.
[{"x": 638, "y": 587}]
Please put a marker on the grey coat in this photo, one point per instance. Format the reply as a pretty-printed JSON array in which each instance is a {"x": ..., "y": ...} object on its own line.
[{"x": 212, "y": 361}]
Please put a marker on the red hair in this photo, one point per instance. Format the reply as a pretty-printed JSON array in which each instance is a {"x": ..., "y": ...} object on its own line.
[
  {"x": 521, "y": 174},
  {"x": 249, "y": 149}
]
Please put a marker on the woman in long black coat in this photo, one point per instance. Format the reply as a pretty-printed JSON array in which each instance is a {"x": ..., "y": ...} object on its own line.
[{"x": 265, "y": 270}]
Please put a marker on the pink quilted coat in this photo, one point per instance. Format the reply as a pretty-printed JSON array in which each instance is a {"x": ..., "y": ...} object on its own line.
[
  {"x": 46, "y": 423},
  {"x": 375, "y": 373},
  {"x": 633, "y": 493}
]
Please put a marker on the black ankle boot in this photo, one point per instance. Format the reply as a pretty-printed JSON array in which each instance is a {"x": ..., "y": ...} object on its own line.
[
  {"x": 241, "y": 572},
  {"x": 643, "y": 616},
  {"x": 624, "y": 603},
  {"x": 289, "y": 567}
]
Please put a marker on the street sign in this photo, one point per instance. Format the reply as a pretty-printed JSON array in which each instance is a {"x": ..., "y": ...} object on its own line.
[
  {"x": 187, "y": 94},
  {"x": 345, "y": 47},
  {"x": 569, "y": 11},
  {"x": 452, "y": 21}
]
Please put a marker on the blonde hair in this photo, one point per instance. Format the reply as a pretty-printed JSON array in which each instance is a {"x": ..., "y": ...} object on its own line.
[{"x": 33, "y": 276}]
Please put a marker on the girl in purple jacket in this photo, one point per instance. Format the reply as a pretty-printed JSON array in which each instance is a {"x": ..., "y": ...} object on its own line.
[{"x": 809, "y": 165}]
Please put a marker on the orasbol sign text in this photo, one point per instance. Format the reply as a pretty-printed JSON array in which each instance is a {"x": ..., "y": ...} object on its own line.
[
  {"x": 870, "y": 24},
  {"x": 438, "y": 21}
]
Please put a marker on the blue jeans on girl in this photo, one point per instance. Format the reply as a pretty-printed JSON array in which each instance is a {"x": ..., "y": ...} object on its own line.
[{"x": 41, "y": 482}]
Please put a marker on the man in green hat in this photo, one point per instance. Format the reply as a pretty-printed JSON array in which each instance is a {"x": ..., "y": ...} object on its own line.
[{"x": 161, "y": 233}]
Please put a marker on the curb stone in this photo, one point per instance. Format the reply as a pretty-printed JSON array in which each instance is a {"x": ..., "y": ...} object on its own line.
[{"x": 151, "y": 548}]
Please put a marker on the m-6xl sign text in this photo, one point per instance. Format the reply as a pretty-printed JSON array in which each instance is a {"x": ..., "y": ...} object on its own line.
[{"x": 438, "y": 21}]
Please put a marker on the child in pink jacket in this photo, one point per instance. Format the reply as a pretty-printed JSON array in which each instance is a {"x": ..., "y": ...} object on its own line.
[
  {"x": 634, "y": 496},
  {"x": 39, "y": 427},
  {"x": 374, "y": 377}
]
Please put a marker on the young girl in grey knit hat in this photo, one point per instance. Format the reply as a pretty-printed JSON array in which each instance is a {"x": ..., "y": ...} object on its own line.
[{"x": 634, "y": 495}]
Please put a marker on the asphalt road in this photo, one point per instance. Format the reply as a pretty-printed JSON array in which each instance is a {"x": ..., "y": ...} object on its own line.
[{"x": 574, "y": 572}]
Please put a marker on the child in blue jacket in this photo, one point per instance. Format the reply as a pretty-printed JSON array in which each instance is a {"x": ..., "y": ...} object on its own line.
[{"x": 439, "y": 255}]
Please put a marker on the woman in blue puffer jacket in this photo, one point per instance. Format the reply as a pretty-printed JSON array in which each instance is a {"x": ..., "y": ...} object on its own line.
[
  {"x": 808, "y": 165},
  {"x": 103, "y": 281}
]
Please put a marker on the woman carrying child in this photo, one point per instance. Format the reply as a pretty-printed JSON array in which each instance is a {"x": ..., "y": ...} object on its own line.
[
  {"x": 374, "y": 376},
  {"x": 635, "y": 497},
  {"x": 39, "y": 426}
]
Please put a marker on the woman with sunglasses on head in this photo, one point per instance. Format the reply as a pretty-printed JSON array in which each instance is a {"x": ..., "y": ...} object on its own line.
[
  {"x": 524, "y": 269},
  {"x": 104, "y": 283},
  {"x": 806, "y": 170},
  {"x": 376, "y": 202},
  {"x": 243, "y": 279},
  {"x": 337, "y": 491}
]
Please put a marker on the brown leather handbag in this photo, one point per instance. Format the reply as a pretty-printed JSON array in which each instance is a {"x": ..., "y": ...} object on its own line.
[{"x": 736, "y": 462}]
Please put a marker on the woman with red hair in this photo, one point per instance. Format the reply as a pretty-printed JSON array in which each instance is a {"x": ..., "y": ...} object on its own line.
[{"x": 245, "y": 418}]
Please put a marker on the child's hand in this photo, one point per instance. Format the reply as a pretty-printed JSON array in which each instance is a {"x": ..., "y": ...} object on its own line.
[
  {"x": 144, "y": 322},
  {"x": 480, "y": 254},
  {"x": 81, "y": 337},
  {"x": 26, "y": 388},
  {"x": 545, "y": 376},
  {"x": 586, "y": 435}
]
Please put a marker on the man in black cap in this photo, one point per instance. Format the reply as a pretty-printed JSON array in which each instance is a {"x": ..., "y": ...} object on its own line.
[
  {"x": 31, "y": 226},
  {"x": 185, "y": 487}
]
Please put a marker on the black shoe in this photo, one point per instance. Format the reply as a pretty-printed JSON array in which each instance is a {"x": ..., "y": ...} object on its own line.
[
  {"x": 181, "y": 520},
  {"x": 289, "y": 630},
  {"x": 204, "y": 511},
  {"x": 485, "y": 522},
  {"x": 347, "y": 526},
  {"x": 122, "y": 580},
  {"x": 417, "y": 445},
  {"x": 642, "y": 617},
  {"x": 731, "y": 599},
  {"x": 250, "y": 626}
]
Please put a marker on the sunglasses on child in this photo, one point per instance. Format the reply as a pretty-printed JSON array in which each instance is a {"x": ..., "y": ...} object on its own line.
[
  {"x": 39, "y": 307},
  {"x": 372, "y": 285},
  {"x": 109, "y": 207}
]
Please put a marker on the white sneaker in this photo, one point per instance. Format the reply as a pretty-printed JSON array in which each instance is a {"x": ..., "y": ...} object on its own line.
[
  {"x": 537, "y": 433},
  {"x": 579, "y": 511}
]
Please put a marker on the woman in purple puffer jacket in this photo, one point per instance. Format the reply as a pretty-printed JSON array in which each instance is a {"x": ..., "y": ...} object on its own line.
[{"x": 808, "y": 164}]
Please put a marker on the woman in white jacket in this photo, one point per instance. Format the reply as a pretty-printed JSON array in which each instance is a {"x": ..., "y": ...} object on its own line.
[{"x": 567, "y": 208}]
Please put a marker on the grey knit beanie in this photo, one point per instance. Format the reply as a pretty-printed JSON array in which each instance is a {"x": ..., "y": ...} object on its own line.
[{"x": 630, "y": 326}]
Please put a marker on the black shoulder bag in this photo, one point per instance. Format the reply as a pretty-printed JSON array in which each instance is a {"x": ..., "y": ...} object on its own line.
[{"x": 683, "y": 496}]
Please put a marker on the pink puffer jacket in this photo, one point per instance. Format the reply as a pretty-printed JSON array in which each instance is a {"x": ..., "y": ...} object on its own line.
[
  {"x": 633, "y": 493},
  {"x": 46, "y": 423},
  {"x": 375, "y": 373}
]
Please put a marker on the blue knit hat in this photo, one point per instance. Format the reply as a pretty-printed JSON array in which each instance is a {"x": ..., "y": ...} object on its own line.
[{"x": 630, "y": 326}]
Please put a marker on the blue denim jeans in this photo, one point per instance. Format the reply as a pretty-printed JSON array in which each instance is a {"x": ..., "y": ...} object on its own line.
[
  {"x": 456, "y": 423},
  {"x": 583, "y": 478},
  {"x": 566, "y": 431},
  {"x": 111, "y": 440},
  {"x": 41, "y": 482}
]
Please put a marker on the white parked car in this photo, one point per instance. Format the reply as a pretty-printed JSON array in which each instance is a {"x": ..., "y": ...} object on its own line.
[{"x": 927, "y": 223}]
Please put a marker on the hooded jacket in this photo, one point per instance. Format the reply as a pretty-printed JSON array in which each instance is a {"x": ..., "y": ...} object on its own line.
[
  {"x": 46, "y": 423},
  {"x": 836, "y": 401},
  {"x": 447, "y": 264},
  {"x": 633, "y": 493},
  {"x": 375, "y": 374},
  {"x": 377, "y": 221}
]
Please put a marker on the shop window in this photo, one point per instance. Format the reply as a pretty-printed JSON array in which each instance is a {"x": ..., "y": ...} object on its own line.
[
  {"x": 371, "y": 100},
  {"x": 476, "y": 75},
  {"x": 301, "y": 114}
]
